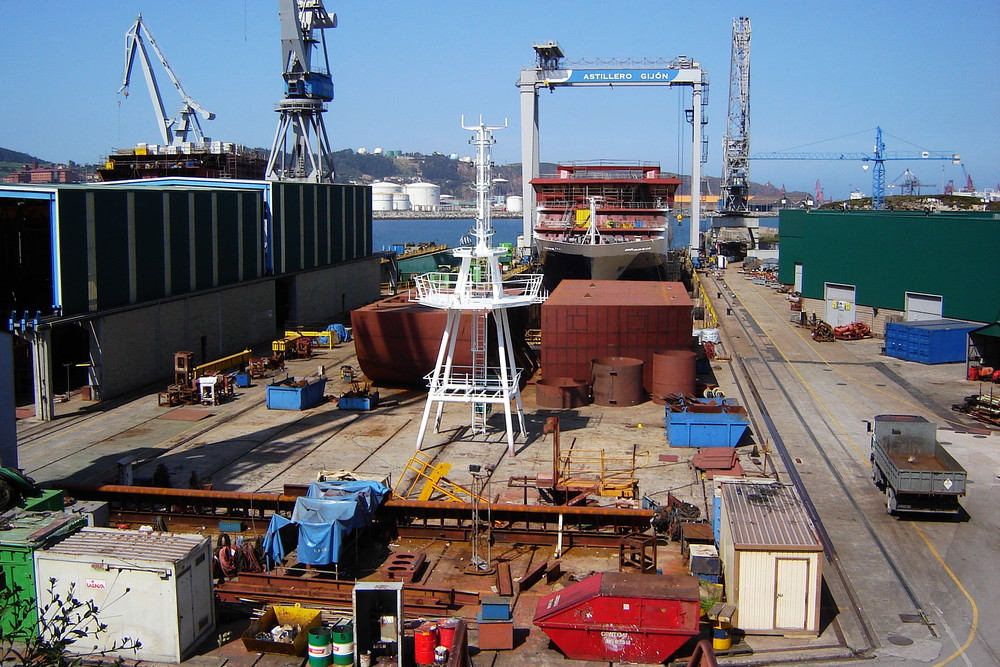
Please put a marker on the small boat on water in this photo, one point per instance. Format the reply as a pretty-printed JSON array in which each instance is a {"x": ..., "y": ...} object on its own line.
[{"x": 603, "y": 221}]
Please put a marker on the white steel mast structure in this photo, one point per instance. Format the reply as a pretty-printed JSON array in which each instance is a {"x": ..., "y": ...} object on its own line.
[
  {"x": 174, "y": 131},
  {"x": 308, "y": 86},
  {"x": 479, "y": 289}
]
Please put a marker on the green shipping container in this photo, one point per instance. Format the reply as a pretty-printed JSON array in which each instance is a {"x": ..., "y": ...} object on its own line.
[{"x": 31, "y": 531}]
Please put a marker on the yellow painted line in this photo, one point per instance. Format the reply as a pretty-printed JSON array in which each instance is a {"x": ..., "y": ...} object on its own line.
[
  {"x": 916, "y": 406},
  {"x": 809, "y": 389},
  {"x": 975, "y": 608}
]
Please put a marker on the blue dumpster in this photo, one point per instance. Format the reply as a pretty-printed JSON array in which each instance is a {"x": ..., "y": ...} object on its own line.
[
  {"x": 707, "y": 426},
  {"x": 296, "y": 394}
]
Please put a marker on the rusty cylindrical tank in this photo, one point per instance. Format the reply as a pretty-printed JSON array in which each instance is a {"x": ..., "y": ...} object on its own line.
[
  {"x": 617, "y": 381},
  {"x": 673, "y": 373},
  {"x": 562, "y": 393}
]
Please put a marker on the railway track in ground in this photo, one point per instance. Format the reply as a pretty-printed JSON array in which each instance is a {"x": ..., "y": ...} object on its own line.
[{"x": 767, "y": 369}]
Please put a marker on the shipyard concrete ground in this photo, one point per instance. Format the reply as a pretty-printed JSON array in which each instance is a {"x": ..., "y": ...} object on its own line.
[{"x": 807, "y": 400}]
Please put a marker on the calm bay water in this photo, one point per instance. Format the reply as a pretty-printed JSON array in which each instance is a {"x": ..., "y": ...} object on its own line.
[{"x": 386, "y": 233}]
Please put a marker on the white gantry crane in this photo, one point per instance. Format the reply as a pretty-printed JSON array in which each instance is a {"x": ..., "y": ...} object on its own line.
[
  {"x": 176, "y": 130},
  {"x": 478, "y": 289},
  {"x": 308, "y": 86}
]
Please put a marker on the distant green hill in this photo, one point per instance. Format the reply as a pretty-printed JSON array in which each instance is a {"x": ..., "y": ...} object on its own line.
[{"x": 7, "y": 155}]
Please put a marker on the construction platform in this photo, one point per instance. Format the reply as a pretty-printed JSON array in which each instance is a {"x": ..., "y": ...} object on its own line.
[{"x": 241, "y": 446}]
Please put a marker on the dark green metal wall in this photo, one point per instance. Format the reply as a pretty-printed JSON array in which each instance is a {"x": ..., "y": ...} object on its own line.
[
  {"x": 119, "y": 247},
  {"x": 319, "y": 224},
  {"x": 887, "y": 253}
]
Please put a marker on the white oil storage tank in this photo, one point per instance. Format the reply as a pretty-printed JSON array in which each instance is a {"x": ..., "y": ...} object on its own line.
[
  {"x": 515, "y": 203},
  {"x": 400, "y": 201},
  {"x": 382, "y": 195},
  {"x": 424, "y": 196}
]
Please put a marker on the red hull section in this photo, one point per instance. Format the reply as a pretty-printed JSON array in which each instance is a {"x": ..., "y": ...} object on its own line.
[
  {"x": 585, "y": 320},
  {"x": 397, "y": 340}
]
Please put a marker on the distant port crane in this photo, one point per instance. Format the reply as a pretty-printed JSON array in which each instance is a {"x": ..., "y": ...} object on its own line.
[
  {"x": 308, "y": 87},
  {"x": 877, "y": 158},
  {"x": 174, "y": 131},
  {"x": 736, "y": 143}
]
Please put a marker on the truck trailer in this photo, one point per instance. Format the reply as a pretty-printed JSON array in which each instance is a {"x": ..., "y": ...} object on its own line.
[{"x": 912, "y": 468}]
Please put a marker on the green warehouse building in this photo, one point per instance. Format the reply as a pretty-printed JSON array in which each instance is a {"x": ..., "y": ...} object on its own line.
[{"x": 886, "y": 266}]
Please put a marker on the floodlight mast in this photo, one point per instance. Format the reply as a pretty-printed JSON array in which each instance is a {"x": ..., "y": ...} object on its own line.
[{"x": 174, "y": 131}]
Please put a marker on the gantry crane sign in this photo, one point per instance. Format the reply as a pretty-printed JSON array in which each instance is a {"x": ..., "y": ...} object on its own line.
[
  {"x": 174, "y": 131},
  {"x": 550, "y": 72},
  {"x": 878, "y": 158},
  {"x": 308, "y": 86}
]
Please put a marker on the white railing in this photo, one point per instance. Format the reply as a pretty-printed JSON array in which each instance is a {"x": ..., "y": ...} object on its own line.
[
  {"x": 460, "y": 381},
  {"x": 442, "y": 289}
]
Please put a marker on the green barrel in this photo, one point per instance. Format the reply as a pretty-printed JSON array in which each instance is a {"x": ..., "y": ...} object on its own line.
[
  {"x": 343, "y": 644},
  {"x": 319, "y": 646}
]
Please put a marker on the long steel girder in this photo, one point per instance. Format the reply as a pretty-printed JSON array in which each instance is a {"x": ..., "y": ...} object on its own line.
[{"x": 522, "y": 524}]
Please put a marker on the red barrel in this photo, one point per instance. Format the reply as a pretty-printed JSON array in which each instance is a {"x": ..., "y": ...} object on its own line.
[
  {"x": 673, "y": 373},
  {"x": 425, "y": 640},
  {"x": 447, "y": 631},
  {"x": 617, "y": 381},
  {"x": 973, "y": 373},
  {"x": 562, "y": 393}
]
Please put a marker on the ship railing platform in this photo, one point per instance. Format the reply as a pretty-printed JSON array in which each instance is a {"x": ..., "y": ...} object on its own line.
[
  {"x": 443, "y": 290},
  {"x": 461, "y": 384}
]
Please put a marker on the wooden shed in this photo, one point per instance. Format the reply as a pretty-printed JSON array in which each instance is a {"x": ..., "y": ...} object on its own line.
[{"x": 772, "y": 559}]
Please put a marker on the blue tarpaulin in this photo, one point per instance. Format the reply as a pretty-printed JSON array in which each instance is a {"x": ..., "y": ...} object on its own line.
[{"x": 329, "y": 512}]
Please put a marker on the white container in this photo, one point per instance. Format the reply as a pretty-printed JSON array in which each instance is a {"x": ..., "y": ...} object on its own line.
[
  {"x": 400, "y": 202},
  {"x": 515, "y": 203},
  {"x": 168, "y": 605},
  {"x": 424, "y": 196},
  {"x": 381, "y": 201}
]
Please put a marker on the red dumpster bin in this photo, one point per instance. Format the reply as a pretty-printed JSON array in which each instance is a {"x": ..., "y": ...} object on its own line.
[{"x": 622, "y": 616}]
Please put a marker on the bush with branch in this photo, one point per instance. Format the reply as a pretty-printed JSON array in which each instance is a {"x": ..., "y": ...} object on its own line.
[{"x": 65, "y": 623}]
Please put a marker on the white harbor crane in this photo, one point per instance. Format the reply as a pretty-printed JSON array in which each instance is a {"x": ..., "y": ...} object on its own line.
[
  {"x": 308, "y": 86},
  {"x": 477, "y": 289},
  {"x": 736, "y": 143},
  {"x": 174, "y": 131}
]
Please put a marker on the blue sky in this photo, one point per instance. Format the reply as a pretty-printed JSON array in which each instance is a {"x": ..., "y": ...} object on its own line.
[{"x": 823, "y": 75}]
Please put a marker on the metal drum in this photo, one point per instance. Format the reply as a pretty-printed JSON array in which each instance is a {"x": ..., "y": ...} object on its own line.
[
  {"x": 562, "y": 393},
  {"x": 617, "y": 381},
  {"x": 673, "y": 373}
]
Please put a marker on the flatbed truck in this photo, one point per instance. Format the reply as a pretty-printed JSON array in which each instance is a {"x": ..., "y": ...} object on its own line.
[{"x": 912, "y": 468}]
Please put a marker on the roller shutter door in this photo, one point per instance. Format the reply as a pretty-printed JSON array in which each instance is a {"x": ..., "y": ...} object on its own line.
[
  {"x": 923, "y": 307},
  {"x": 840, "y": 305}
]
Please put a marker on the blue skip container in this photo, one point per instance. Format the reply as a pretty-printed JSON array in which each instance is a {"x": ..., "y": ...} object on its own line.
[
  {"x": 707, "y": 426},
  {"x": 292, "y": 394}
]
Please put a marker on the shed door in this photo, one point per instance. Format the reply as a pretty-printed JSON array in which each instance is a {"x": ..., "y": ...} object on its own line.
[
  {"x": 922, "y": 307},
  {"x": 798, "y": 278},
  {"x": 791, "y": 593},
  {"x": 839, "y": 304}
]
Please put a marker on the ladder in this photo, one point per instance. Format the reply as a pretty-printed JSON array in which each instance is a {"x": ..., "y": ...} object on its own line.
[{"x": 480, "y": 411}]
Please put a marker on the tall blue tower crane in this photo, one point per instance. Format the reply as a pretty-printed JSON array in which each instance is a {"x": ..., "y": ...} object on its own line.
[
  {"x": 301, "y": 148},
  {"x": 877, "y": 158}
]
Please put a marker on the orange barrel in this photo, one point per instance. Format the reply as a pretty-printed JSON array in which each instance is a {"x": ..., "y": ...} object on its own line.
[
  {"x": 617, "y": 381},
  {"x": 562, "y": 392},
  {"x": 447, "y": 630},
  {"x": 973, "y": 373},
  {"x": 425, "y": 640},
  {"x": 673, "y": 373}
]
